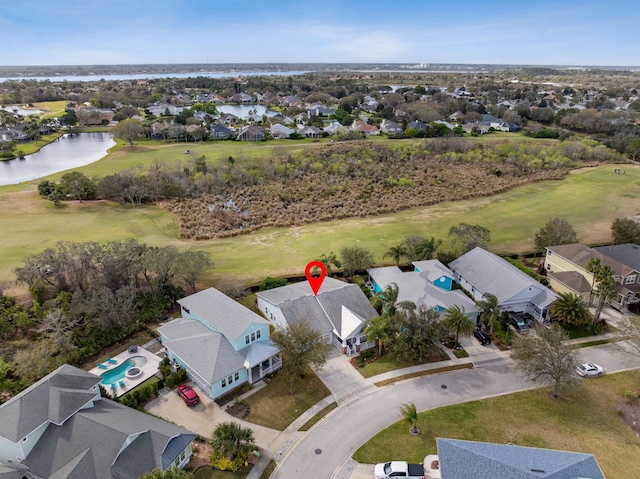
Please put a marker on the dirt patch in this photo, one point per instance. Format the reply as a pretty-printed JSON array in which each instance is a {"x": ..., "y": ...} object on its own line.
[
  {"x": 201, "y": 452},
  {"x": 239, "y": 410},
  {"x": 630, "y": 413}
]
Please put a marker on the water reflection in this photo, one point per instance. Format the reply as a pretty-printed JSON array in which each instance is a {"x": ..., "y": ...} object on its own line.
[{"x": 70, "y": 151}]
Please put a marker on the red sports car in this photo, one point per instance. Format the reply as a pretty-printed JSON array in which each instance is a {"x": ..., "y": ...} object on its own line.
[{"x": 188, "y": 395}]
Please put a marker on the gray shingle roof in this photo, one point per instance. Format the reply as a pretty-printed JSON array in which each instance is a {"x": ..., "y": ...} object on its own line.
[
  {"x": 88, "y": 445},
  {"x": 469, "y": 459},
  {"x": 627, "y": 254},
  {"x": 324, "y": 311},
  {"x": 207, "y": 352},
  {"x": 573, "y": 280},
  {"x": 580, "y": 255},
  {"x": 489, "y": 273},
  {"x": 221, "y": 312},
  {"x": 54, "y": 398}
]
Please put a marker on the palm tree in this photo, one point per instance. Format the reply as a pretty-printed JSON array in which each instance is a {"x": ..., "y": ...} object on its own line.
[
  {"x": 329, "y": 259},
  {"x": 604, "y": 279},
  {"x": 232, "y": 439},
  {"x": 376, "y": 330},
  {"x": 571, "y": 309},
  {"x": 490, "y": 310},
  {"x": 427, "y": 248},
  {"x": 410, "y": 414},
  {"x": 457, "y": 322},
  {"x": 385, "y": 301},
  {"x": 396, "y": 252}
]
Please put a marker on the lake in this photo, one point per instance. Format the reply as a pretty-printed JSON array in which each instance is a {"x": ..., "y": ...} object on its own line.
[
  {"x": 241, "y": 111},
  {"x": 151, "y": 76},
  {"x": 69, "y": 151}
]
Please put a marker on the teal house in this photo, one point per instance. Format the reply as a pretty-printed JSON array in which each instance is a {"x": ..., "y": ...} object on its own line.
[{"x": 220, "y": 343}]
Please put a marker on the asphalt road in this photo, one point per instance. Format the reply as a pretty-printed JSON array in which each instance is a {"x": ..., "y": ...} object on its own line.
[{"x": 322, "y": 451}]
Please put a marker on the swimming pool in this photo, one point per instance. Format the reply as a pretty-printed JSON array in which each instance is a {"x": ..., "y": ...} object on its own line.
[{"x": 118, "y": 373}]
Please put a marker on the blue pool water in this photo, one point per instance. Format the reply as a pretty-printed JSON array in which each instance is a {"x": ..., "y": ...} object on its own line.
[{"x": 118, "y": 373}]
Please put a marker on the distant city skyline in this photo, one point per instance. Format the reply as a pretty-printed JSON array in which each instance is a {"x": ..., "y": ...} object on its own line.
[{"x": 97, "y": 32}]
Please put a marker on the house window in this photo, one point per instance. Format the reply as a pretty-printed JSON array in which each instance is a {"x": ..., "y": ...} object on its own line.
[
  {"x": 549, "y": 252},
  {"x": 253, "y": 337},
  {"x": 236, "y": 376},
  {"x": 258, "y": 334},
  {"x": 247, "y": 340},
  {"x": 230, "y": 379},
  {"x": 548, "y": 266},
  {"x": 630, "y": 279},
  {"x": 224, "y": 383},
  {"x": 363, "y": 339}
]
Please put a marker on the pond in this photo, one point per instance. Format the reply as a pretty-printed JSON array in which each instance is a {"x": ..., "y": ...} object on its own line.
[
  {"x": 69, "y": 151},
  {"x": 21, "y": 111},
  {"x": 242, "y": 111}
]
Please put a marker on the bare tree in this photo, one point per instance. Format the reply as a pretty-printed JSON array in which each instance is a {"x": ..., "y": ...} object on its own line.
[
  {"x": 57, "y": 327},
  {"x": 545, "y": 358},
  {"x": 630, "y": 330}
]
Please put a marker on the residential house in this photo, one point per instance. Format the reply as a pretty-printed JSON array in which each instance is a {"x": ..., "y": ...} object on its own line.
[
  {"x": 565, "y": 261},
  {"x": 335, "y": 128},
  {"x": 339, "y": 311},
  {"x": 280, "y": 131},
  {"x": 60, "y": 427},
  {"x": 253, "y": 117},
  {"x": 390, "y": 128},
  {"x": 364, "y": 128},
  {"x": 458, "y": 116},
  {"x": 220, "y": 343},
  {"x": 458, "y": 459},
  {"x": 475, "y": 127},
  {"x": 480, "y": 272},
  {"x": 220, "y": 132},
  {"x": 94, "y": 116},
  {"x": 241, "y": 98},
  {"x": 218, "y": 99},
  {"x": 14, "y": 133},
  {"x": 165, "y": 109},
  {"x": 429, "y": 285},
  {"x": 310, "y": 132},
  {"x": 228, "y": 119},
  {"x": 251, "y": 133},
  {"x": 417, "y": 125},
  {"x": 319, "y": 110},
  {"x": 499, "y": 123}
]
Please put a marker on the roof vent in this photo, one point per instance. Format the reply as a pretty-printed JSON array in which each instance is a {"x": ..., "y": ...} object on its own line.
[{"x": 541, "y": 471}]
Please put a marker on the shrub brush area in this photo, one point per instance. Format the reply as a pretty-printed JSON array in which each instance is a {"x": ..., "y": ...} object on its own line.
[{"x": 363, "y": 179}]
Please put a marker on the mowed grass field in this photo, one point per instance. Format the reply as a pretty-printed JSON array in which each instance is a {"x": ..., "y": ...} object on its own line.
[
  {"x": 589, "y": 198},
  {"x": 585, "y": 420}
]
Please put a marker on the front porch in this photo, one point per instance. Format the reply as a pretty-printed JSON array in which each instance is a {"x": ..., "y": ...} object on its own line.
[
  {"x": 352, "y": 346},
  {"x": 261, "y": 358}
]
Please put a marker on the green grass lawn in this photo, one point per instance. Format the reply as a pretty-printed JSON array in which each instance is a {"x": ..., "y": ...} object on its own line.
[
  {"x": 389, "y": 363},
  {"x": 585, "y": 420},
  {"x": 589, "y": 198},
  {"x": 274, "y": 406}
]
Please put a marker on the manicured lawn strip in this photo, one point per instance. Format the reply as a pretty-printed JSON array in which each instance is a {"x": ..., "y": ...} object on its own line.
[
  {"x": 589, "y": 199},
  {"x": 268, "y": 470},
  {"x": 52, "y": 108},
  {"x": 389, "y": 363},
  {"x": 33, "y": 146},
  {"x": 210, "y": 473},
  {"x": 426, "y": 372},
  {"x": 307, "y": 425},
  {"x": 276, "y": 408},
  {"x": 150, "y": 381},
  {"x": 585, "y": 420},
  {"x": 249, "y": 302}
]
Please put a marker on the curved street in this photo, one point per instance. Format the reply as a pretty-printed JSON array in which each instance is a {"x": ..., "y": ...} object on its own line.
[{"x": 321, "y": 452}]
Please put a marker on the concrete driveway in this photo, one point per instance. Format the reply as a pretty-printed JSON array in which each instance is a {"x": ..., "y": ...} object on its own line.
[{"x": 203, "y": 418}]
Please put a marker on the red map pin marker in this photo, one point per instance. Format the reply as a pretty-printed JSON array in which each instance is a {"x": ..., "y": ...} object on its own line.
[{"x": 315, "y": 282}]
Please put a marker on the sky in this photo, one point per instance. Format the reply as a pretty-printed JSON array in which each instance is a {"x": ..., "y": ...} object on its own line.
[{"x": 524, "y": 32}]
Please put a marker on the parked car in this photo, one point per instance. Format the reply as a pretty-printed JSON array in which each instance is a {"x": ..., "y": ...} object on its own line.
[
  {"x": 589, "y": 369},
  {"x": 518, "y": 321},
  {"x": 388, "y": 470},
  {"x": 482, "y": 336},
  {"x": 188, "y": 395}
]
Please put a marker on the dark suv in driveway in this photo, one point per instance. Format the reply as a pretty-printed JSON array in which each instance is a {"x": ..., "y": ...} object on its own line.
[{"x": 481, "y": 336}]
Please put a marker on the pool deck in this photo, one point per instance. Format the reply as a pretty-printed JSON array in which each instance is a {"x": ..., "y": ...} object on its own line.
[{"x": 148, "y": 370}]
